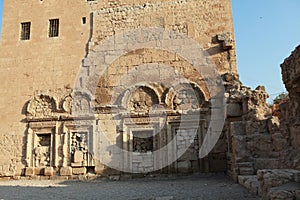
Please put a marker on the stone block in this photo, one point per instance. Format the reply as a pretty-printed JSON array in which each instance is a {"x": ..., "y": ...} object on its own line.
[
  {"x": 266, "y": 163},
  {"x": 184, "y": 166},
  {"x": 260, "y": 143},
  {"x": 78, "y": 156},
  {"x": 65, "y": 171},
  {"x": 79, "y": 170},
  {"x": 76, "y": 164},
  {"x": 280, "y": 195},
  {"x": 48, "y": 171},
  {"x": 29, "y": 171},
  {"x": 279, "y": 141},
  {"x": 39, "y": 170},
  {"x": 252, "y": 185},
  {"x": 247, "y": 171},
  {"x": 273, "y": 182},
  {"x": 238, "y": 128},
  {"x": 234, "y": 110}
]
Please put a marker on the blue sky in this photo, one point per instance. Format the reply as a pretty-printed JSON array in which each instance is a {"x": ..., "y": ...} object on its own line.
[{"x": 266, "y": 31}]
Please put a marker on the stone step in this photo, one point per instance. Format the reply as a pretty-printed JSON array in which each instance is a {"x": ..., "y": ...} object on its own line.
[
  {"x": 247, "y": 171},
  {"x": 250, "y": 183},
  {"x": 289, "y": 190},
  {"x": 245, "y": 164}
]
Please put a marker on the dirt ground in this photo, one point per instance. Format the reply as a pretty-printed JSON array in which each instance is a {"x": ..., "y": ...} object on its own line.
[{"x": 215, "y": 187}]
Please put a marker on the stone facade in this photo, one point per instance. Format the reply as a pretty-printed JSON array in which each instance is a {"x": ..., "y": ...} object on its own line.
[
  {"x": 49, "y": 118},
  {"x": 118, "y": 91}
]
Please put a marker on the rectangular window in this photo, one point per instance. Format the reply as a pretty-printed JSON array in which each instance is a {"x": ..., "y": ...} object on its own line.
[
  {"x": 84, "y": 20},
  {"x": 53, "y": 27},
  {"x": 143, "y": 141},
  {"x": 25, "y": 30}
]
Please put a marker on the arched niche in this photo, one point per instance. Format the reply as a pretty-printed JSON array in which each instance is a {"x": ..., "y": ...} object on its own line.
[
  {"x": 77, "y": 103},
  {"x": 185, "y": 97},
  {"x": 140, "y": 99}
]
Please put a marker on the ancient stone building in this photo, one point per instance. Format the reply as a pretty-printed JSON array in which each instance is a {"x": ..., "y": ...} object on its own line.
[
  {"x": 123, "y": 87},
  {"x": 87, "y": 86}
]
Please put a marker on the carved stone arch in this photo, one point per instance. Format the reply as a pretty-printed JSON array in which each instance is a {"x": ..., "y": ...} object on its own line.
[
  {"x": 185, "y": 96},
  {"x": 41, "y": 106},
  {"x": 125, "y": 96},
  {"x": 79, "y": 103},
  {"x": 140, "y": 99}
]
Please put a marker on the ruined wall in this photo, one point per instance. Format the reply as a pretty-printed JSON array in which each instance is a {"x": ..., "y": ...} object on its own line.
[
  {"x": 44, "y": 65},
  {"x": 290, "y": 110},
  {"x": 255, "y": 140},
  {"x": 275, "y": 158}
]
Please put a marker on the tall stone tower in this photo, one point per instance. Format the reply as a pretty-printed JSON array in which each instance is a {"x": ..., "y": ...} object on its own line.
[{"x": 81, "y": 75}]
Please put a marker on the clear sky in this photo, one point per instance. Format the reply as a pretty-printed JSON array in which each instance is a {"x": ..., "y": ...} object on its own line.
[{"x": 266, "y": 31}]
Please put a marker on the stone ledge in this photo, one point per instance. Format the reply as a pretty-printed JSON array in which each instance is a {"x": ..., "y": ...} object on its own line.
[
  {"x": 290, "y": 190},
  {"x": 272, "y": 180},
  {"x": 251, "y": 183}
]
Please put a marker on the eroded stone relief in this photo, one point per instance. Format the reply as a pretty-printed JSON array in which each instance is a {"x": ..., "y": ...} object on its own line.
[
  {"x": 141, "y": 100},
  {"x": 79, "y": 148},
  {"x": 41, "y": 106},
  {"x": 42, "y": 150}
]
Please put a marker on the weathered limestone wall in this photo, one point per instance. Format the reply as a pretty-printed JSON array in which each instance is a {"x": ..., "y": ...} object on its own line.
[
  {"x": 41, "y": 63},
  {"x": 290, "y": 110},
  {"x": 255, "y": 141},
  {"x": 45, "y": 64}
]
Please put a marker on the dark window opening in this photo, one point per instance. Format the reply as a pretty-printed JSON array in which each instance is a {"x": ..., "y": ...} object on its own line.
[
  {"x": 53, "y": 27},
  {"x": 84, "y": 20},
  {"x": 42, "y": 152},
  {"x": 25, "y": 31},
  {"x": 143, "y": 141},
  {"x": 44, "y": 140}
]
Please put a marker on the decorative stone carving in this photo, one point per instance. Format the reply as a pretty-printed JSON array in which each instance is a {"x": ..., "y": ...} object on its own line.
[
  {"x": 79, "y": 148},
  {"x": 67, "y": 104},
  {"x": 141, "y": 100},
  {"x": 41, "y": 106},
  {"x": 80, "y": 104},
  {"x": 185, "y": 100},
  {"x": 42, "y": 151}
]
